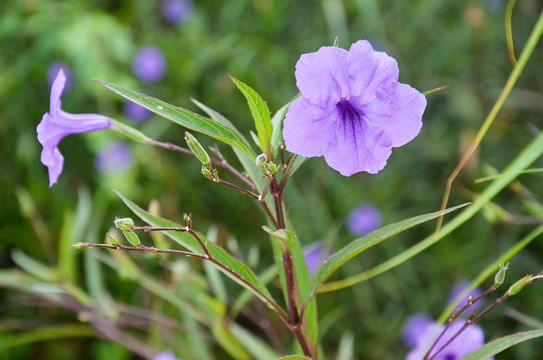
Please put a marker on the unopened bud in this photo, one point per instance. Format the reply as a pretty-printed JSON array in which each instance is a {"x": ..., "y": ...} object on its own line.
[
  {"x": 268, "y": 169},
  {"x": 210, "y": 173},
  {"x": 261, "y": 160},
  {"x": 113, "y": 241},
  {"x": 519, "y": 285},
  {"x": 197, "y": 149},
  {"x": 126, "y": 225},
  {"x": 500, "y": 275},
  {"x": 187, "y": 217}
]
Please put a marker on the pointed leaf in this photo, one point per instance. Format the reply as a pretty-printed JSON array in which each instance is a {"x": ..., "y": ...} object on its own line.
[
  {"x": 261, "y": 114},
  {"x": 184, "y": 117},
  {"x": 499, "y": 345},
  {"x": 219, "y": 254}
]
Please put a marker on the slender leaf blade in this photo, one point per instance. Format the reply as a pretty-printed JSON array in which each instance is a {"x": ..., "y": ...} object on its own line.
[
  {"x": 261, "y": 114},
  {"x": 496, "y": 346},
  {"x": 184, "y": 117}
]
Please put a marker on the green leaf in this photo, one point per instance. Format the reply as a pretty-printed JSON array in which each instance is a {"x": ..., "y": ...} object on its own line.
[
  {"x": 294, "y": 357},
  {"x": 259, "y": 349},
  {"x": 359, "y": 245},
  {"x": 187, "y": 241},
  {"x": 55, "y": 332},
  {"x": 499, "y": 345},
  {"x": 185, "y": 118},
  {"x": 277, "y": 124},
  {"x": 261, "y": 115},
  {"x": 228, "y": 342}
]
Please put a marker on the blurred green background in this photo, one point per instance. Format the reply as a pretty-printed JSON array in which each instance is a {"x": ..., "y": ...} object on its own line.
[{"x": 436, "y": 42}]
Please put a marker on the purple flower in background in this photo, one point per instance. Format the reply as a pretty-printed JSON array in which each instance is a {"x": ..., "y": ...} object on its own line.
[
  {"x": 364, "y": 219},
  {"x": 352, "y": 109},
  {"x": 176, "y": 11},
  {"x": 166, "y": 355},
  {"x": 469, "y": 340},
  {"x": 314, "y": 256},
  {"x": 149, "y": 64},
  {"x": 457, "y": 290},
  {"x": 135, "y": 112},
  {"x": 414, "y": 327},
  {"x": 114, "y": 158},
  {"x": 56, "y": 124},
  {"x": 53, "y": 70}
]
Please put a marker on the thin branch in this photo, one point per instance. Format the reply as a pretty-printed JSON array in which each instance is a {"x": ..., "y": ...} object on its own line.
[{"x": 223, "y": 163}]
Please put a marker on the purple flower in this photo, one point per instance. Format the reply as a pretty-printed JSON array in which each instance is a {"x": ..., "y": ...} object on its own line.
[
  {"x": 53, "y": 70},
  {"x": 56, "y": 124},
  {"x": 176, "y": 11},
  {"x": 115, "y": 158},
  {"x": 135, "y": 112},
  {"x": 457, "y": 290},
  {"x": 469, "y": 340},
  {"x": 166, "y": 355},
  {"x": 314, "y": 256},
  {"x": 352, "y": 109},
  {"x": 414, "y": 328},
  {"x": 149, "y": 64},
  {"x": 364, "y": 219}
]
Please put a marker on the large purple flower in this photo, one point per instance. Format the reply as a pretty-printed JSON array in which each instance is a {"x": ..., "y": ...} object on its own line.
[
  {"x": 56, "y": 124},
  {"x": 469, "y": 340},
  {"x": 352, "y": 110}
]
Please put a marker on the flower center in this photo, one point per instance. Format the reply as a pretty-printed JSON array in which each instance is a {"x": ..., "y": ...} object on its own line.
[{"x": 347, "y": 111}]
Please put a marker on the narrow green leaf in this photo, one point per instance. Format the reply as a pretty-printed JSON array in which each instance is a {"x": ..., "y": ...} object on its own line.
[
  {"x": 187, "y": 241},
  {"x": 228, "y": 341},
  {"x": 33, "y": 267},
  {"x": 258, "y": 348},
  {"x": 277, "y": 124},
  {"x": 184, "y": 117},
  {"x": 294, "y": 357},
  {"x": 47, "y": 333},
  {"x": 365, "y": 242},
  {"x": 261, "y": 115},
  {"x": 499, "y": 345}
]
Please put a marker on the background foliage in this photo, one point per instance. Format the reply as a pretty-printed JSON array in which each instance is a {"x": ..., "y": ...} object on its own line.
[{"x": 436, "y": 42}]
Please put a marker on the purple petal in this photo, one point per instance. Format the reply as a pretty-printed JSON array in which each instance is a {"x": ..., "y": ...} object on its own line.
[
  {"x": 359, "y": 148},
  {"x": 176, "y": 11},
  {"x": 460, "y": 288},
  {"x": 166, "y": 355},
  {"x": 369, "y": 70},
  {"x": 401, "y": 116},
  {"x": 305, "y": 128},
  {"x": 315, "y": 255},
  {"x": 114, "y": 158},
  {"x": 364, "y": 219},
  {"x": 56, "y": 91},
  {"x": 135, "y": 112},
  {"x": 52, "y": 72},
  {"x": 320, "y": 76},
  {"x": 149, "y": 64},
  {"x": 415, "y": 327}
]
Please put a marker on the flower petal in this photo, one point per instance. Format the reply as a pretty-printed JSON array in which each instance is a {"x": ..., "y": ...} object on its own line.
[
  {"x": 305, "y": 128},
  {"x": 369, "y": 70},
  {"x": 53, "y": 159},
  {"x": 359, "y": 148},
  {"x": 400, "y": 116},
  {"x": 56, "y": 90},
  {"x": 321, "y": 77}
]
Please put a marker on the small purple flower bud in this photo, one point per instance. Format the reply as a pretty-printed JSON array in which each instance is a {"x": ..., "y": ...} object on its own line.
[
  {"x": 114, "y": 158},
  {"x": 53, "y": 70},
  {"x": 57, "y": 124},
  {"x": 149, "y": 64},
  {"x": 364, "y": 219},
  {"x": 315, "y": 255},
  {"x": 136, "y": 113},
  {"x": 176, "y": 11},
  {"x": 166, "y": 355},
  {"x": 457, "y": 290}
]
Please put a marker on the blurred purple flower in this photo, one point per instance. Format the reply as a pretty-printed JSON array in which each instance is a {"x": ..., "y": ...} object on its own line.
[
  {"x": 135, "y": 112},
  {"x": 53, "y": 70},
  {"x": 149, "y": 64},
  {"x": 114, "y": 158},
  {"x": 364, "y": 219},
  {"x": 166, "y": 355},
  {"x": 457, "y": 290},
  {"x": 56, "y": 124},
  {"x": 415, "y": 326},
  {"x": 352, "y": 109},
  {"x": 469, "y": 340},
  {"x": 314, "y": 255},
  {"x": 176, "y": 11}
]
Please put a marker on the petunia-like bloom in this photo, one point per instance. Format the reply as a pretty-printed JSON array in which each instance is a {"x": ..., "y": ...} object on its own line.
[
  {"x": 364, "y": 219},
  {"x": 149, "y": 64},
  {"x": 352, "y": 109},
  {"x": 176, "y": 11},
  {"x": 469, "y": 340},
  {"x": 114, "y": 158},
  {"x": 315, "y": 255},
  {"x": 457, "y": 290},
  {"x": 166, "y": 355},
  {"x": 56, "y": 124}
]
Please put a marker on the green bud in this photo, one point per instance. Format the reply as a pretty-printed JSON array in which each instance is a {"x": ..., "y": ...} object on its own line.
[
  {"x": 268, "y": 169},
  {"x": 519, "y": 285},
  {"x": 210, "y": 173},
  {"x": 261, "y": 160},
  {"x": 113, "y": 241},
  {"x": 500, "y": 276},
  {"x": 197, "y": 149},
  {"x": 126, "y": 225},
  {"x": 187, "y": 217}
]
